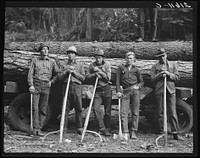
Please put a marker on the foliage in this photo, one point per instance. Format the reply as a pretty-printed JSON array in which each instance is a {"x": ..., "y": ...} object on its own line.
[{"x": 107, "y": 24}]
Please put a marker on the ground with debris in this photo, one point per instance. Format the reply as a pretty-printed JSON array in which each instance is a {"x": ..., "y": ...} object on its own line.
[{"x": 19, "y": 142}]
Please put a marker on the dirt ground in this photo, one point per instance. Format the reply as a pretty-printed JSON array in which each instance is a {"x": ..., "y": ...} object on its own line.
[{"x": 19, "y": 142}]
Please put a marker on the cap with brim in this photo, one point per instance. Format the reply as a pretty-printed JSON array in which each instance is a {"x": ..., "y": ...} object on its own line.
[
  {"x": 100, "y": 52},
  {"x": 42, "y": 46},
  {"x": 161, "y": 52}
]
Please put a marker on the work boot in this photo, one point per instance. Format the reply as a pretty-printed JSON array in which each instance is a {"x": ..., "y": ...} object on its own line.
[
  {"x": 105, "y": 132},
  {"x": 126, "y": 136},
  {"x": 133, "y": 136},
  {"x": 139, "y": 40},
  {"x": 154, "y": 40},
  {"x": 177, "y": 137},
  {"x": 80, "y": 131}
]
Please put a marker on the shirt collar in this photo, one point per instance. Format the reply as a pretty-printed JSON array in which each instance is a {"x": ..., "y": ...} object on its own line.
[
  {"x": 47, "y": 58},
  {"x": 71, "y": 62},
  {"x": 133, "y": 66}
]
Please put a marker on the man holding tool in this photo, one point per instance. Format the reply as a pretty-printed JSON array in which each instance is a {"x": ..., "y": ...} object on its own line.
[
  {"x": 77, "y": 72},
  {"x": 101, "y": 69},
  {"x": 40, "y": 79},
  {"x": 160, "y": 70},
  {"x": 130, "y": 79}
]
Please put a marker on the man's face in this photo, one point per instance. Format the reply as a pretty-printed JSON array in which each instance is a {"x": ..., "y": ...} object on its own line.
[
  {"x": 130, "y": 59},
  {"x": 44, "y": 51},
  {"x": 71, "y": 55},
  {"x": 163, "y": 58},
  {"x": 99, "y": 59}
]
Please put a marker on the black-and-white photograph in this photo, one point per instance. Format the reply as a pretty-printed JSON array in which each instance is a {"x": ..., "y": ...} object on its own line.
[{"x": 100, "y": 78}]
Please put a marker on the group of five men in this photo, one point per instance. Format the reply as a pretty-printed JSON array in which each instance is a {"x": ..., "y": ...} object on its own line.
[{"x": 129, "y": 81}]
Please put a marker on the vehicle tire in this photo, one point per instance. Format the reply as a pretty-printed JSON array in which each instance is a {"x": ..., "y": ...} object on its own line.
[
  {"x": 19, "y": 113},
  {"x": 184, "y": 113},
  {"x": 185, "y": 116}
]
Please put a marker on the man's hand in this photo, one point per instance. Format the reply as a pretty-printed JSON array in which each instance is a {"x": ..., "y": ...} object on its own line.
[
  {"x": 96, "y": 69},
  {"x": 98, "y": 75},
  {"x": 119, "y": 94},
  {"x": 49, "y": 83},
  {"x": 135, "y": 87},
  {"x": 165, "y": 73},
  {"x": 32, "y": 89}
]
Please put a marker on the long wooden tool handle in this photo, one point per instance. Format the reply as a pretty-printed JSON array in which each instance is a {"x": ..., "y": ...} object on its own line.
[
  {"x": 120, "y": 124},
  {"x": 31, "y": 112},
  {"x": 165, "y": 112},
  {"x": 89, "y": 111},
  {"x": 64, "y": 108}
]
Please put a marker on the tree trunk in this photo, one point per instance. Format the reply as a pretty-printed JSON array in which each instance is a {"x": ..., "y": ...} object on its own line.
[
  {"x": 89, "y": 25},
  {"x": 16, "y": 65},
  {"x": 177, "y": 50}
]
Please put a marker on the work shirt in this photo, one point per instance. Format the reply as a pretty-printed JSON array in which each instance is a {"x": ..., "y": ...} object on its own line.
[
  {"x": 78, "y": 76},
  {"x": 42, "y": 70},
  {"x": 158, "y": 80},
  {"x": 127, "y": 78},
  {"x": 105, "y": 68}
]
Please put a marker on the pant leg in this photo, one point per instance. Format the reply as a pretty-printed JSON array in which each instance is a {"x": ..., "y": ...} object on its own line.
[
  {"x": 77, "y": 97},
  {"x": 135, "y": 107},
  {"x": 44, "y": 98},
  {"x": 35, "y": 102},
  {"x": 107, "y": 101},
  {"x": 125, "y": 104},
  {"x": 97, "y": 110},
  {"x": 172, "y": 112},
  {"x": 158, "y": 112},
  {"x": 153, "y": 21}
]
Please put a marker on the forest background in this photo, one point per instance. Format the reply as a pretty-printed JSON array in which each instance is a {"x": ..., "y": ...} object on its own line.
[{"x": 23, "y": 24}]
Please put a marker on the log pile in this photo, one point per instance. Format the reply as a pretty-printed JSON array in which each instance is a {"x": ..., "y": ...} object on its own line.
[{"x": 16, "y": 64}]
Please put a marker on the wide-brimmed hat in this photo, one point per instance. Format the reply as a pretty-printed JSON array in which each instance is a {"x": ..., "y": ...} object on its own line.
[
  {"x": 130, "y": 53},
  {"x": 161, "y": 52},
  {"x": 72, "y": 49},
  {"x": 41, "y": 46},
  {"x": 99, "y": 52}
]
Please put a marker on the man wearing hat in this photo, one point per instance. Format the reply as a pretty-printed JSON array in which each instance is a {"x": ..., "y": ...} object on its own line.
[
  {"x": 75, "y": 88},
  {"x": 40, "y": 79},
  {"x": 164, "y": 68},
  {"x": 101, "y": 69},
  {"x": 128, "y": 83}
]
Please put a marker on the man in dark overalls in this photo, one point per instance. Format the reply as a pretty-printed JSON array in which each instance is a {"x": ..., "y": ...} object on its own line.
[{"x": 102, "y": 69}]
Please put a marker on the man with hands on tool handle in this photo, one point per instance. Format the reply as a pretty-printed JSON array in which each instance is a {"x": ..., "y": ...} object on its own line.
[
  {"x": 40, "y": 79},
  {"x": 159, "y": 71},
  {"x": 101, "y": 69},
  {"x": 75, "y": 87},
  {"x": 128, "y": 82}
]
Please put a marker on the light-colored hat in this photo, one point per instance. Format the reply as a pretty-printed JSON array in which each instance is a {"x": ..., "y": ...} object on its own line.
[
  {"x": 72, "y": 49},
  {"x": 99, "y": 52},
  {"x": 130, "y": 53},
  {"x": 161, "y": 52}
]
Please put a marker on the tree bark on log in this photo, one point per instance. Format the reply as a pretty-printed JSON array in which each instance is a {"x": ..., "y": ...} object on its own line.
[
  {"x": 16, "y": 65},
  {"x": 177, "y": 50}
]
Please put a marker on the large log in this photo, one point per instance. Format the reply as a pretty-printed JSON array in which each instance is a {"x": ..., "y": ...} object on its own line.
[
  {"x": 177, "y": 50},
  {"x": 16, "y": 64}
]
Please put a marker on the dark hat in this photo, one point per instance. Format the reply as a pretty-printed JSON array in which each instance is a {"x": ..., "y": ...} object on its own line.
[
  {"x": 72, "y": 49},
  {"x": 161, "y": 52},
  {"x": 99, "y": 52},
  {"x": 41, "y": 46}
]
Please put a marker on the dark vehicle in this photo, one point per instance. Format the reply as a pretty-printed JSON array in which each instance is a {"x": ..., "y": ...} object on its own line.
[{"x": 17, "y": 97}]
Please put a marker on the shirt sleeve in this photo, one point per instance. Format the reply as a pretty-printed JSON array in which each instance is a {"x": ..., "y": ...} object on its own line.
[
  {"x": 56, "y": 69},
  {"x": 80, "y": 73},
  {"x": 107, "y": 73},
  {"x": 175, "y": 75},
  {"x": 140, "y": 79},
  {"x": 89, "y": 73},
  {"x": 155, "y": 77},
  {"x": 30, "y": 72}
]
